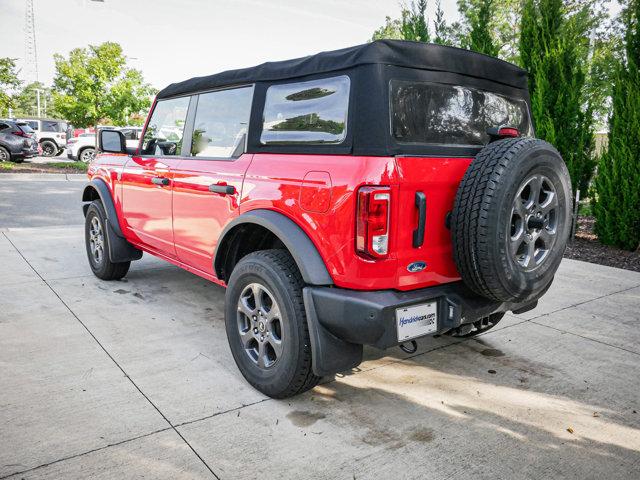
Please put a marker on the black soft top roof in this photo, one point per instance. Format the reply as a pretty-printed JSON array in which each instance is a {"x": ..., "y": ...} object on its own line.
[{"x": 424, "y": 56}]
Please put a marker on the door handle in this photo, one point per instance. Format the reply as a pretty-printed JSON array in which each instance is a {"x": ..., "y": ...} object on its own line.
[
  {"x": 162, "y": 181},
  {"x": 223, "y": 189},
  {"x": 418, "y": 233}
]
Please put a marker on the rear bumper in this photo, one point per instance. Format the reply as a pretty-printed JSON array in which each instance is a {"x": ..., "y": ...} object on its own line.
[{"x": 341, "y": 321}]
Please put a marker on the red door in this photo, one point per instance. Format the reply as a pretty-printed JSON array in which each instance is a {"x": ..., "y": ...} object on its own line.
[
  {"x": 206, "y": 195},
  {"x": 208, "y": 183},
  {"x": 146, "y": 202}
]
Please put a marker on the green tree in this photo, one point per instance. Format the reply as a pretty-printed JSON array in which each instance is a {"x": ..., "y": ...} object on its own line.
[
  {"x": 8, "y": 82},
  {"x": 480, "y": 17},
  {"x": 412, "y": 24},
  {"x": 95, "y": 84},
  {"x": 26, "y": 101},
  {"x": 490, "y": 27},
  {"x": 617, "y": 184},
  {"x": 554, "y": 49}
]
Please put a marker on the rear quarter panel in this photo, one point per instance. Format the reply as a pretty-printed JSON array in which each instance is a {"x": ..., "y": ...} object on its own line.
[{"x": 277, "y": 182}]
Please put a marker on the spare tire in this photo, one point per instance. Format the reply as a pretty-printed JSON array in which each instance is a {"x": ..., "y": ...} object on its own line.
[{"x": 511, "y": 219}]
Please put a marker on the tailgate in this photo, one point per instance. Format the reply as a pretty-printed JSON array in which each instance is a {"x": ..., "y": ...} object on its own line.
[{"x": 437, "y": 178}]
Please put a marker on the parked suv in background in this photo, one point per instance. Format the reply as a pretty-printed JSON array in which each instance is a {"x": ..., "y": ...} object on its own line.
[
  {"x": 17, "y": 141},
  {"x": 83, "y": 147},
  {"x": 366, "y": 196},
  {"x": 51, "y": 134}
]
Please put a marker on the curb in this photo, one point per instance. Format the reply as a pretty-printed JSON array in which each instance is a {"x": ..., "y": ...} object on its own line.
[{"x": 54, "y": 177}]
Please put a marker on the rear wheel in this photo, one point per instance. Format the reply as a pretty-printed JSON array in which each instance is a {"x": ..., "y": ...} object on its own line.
[
  {"x": 87, "y": 154},
  {"x": 266, "y": 324},
  {"x": 5, "y": 156},
  {"x": 97, "y": 245},
  {"x": 49, "y": 148}
]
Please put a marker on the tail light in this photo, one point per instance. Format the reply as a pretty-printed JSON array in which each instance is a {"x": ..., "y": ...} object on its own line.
[
  {"x": 372, "y": 222},
  {"x": 20, "y": 133}
]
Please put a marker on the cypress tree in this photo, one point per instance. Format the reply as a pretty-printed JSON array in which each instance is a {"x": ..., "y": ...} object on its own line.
[
  {"x": 554, "y": 50},
  {"x": 617, "y": 185}
]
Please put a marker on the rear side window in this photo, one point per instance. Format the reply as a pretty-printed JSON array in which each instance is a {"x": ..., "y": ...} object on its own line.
[
  {"x": 220, "y": 127},
  {"x": 25, "y": 128},
  {"x": 163, "y": 136},
  {"x": 48, "y": 126},
  {"x": 432, "y": 113},
  {"x": 3, "y": 126},
  {"x": 312, "y": 112}
]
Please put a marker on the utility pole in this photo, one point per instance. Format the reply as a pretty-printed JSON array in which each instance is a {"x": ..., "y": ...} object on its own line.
[
  {"x": 38, "y": 100},
  {"x": 30, "y": 49}
]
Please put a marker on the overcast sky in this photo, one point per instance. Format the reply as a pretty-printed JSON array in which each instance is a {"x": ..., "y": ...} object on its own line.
[{"x": 171, "y": 40}]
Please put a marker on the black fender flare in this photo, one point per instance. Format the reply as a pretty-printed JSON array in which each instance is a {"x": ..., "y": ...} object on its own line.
[
  {"x": 104, "y": 193},
  {"x": 120, "y": 250},
  {"x": 302, "y": 249}
]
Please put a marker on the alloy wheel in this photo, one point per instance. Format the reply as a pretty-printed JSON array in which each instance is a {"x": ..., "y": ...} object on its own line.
[
  {"x": 96, "y": 240},
  {"x": 534, "y": 221},
  {"x": 87, "y": 155},
  {"x": 4, "y": 157},
  {"x": 260, "y": 325}
]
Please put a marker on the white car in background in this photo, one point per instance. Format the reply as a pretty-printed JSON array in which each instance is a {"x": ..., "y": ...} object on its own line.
[{"x": 83, "y": 147}]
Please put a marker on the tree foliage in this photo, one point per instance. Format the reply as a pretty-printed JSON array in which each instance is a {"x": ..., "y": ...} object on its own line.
[
  {"x": 413, "y": 24},
  {"x": 26, "y": 101},
  {"x": 94, "y": 84},
  {"x": 617, "y": 184},
  {"x": 554, "y": 49},
  {"x": 8, "y": 82},
  {"x": 479, "y": 19}
]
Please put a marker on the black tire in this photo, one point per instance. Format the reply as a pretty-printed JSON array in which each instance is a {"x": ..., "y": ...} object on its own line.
[
  {"x": 276, "y": 272},
  {"x": 60, "y": 150},
  {"x": 86, "y": 154},
  {"x": 5, "y": 155},
  {"x": 101, "y": 266},
  {"x": 49, "y": 148},
  {"x": 505, "y": 246}
]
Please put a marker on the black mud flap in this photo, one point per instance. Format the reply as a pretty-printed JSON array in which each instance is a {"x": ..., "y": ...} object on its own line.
[
  {"x": 330, "y": 355},
  {"x": 120, "y": 250}
]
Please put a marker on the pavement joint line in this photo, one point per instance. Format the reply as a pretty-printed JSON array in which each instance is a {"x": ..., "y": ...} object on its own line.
[
  {"x": 586, "y": 338},
  {"x": 137, "y": 437},
  {"x": 115, "y": 362},
  {"x": 93, "y": 450}
]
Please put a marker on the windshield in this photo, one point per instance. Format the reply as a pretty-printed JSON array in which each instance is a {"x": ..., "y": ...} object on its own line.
[{"x": 433, "y": 113}]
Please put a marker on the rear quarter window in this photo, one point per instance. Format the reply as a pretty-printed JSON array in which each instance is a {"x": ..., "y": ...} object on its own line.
[
  {"x": 313, "y": 112},
  {"x": 432, "y": 113}
]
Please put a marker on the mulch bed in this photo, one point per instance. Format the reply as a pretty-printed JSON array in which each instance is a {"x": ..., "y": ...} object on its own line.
[{"x": 585, "y": 247}]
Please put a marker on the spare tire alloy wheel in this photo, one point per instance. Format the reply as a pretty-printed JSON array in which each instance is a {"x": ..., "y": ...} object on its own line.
[
  {"x": 511, "y": 219},
  {"x": 534, "y": 222}
]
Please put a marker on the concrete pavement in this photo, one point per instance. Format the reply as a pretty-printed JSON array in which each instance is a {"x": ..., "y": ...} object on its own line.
[{"x": 134, "y": 379}]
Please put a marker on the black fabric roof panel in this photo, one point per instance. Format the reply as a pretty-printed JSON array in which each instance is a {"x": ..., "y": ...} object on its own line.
[{"x": 401, "y": 53}]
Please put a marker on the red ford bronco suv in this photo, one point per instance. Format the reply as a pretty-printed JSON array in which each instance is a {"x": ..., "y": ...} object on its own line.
[{"x": 364, "y": 196}]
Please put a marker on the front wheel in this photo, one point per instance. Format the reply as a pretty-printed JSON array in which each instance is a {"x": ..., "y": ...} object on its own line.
[
  {"x": 97, "y": 243},
  {"x": 266, "y": 324}
]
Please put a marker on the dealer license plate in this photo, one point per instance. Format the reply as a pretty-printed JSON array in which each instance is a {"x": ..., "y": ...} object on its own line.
[{"x": 416, "y": 321}]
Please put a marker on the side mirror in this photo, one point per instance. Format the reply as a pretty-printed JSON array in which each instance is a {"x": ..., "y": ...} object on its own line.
[{"x": 111, "y": 141}]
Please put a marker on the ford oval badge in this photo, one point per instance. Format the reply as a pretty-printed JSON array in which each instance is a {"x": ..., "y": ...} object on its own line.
[{"x": 416, "y": 267}]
